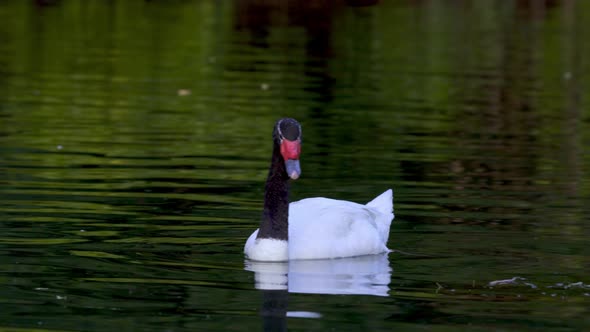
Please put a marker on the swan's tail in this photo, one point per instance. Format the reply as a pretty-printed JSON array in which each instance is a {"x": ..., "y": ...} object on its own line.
[{"x": 383, "y": 203}]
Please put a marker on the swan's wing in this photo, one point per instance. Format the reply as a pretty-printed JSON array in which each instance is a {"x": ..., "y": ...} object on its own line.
[{"x": 327, "y": 228}]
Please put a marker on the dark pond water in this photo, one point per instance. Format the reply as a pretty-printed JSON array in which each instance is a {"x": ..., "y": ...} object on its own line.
[{"x": 135, "y": 141}]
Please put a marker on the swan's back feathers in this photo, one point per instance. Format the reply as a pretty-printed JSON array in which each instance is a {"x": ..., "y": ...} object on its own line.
[{"x": 328, "y": 228}]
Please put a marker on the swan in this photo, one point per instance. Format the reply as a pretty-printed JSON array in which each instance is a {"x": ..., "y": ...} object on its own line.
[{"x": 313, "y": 228}]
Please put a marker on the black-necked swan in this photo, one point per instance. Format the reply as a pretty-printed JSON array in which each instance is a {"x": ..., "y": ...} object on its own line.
[{"x": 313, "y": 228}]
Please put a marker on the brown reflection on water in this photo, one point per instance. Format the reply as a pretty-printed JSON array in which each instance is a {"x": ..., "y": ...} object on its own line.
[
  {"x": 501, "y": 127},
  {"x": 305, "y": 34}
]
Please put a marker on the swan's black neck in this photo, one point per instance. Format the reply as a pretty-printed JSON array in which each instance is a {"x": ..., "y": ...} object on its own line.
[{"x": 275, "y": 217}]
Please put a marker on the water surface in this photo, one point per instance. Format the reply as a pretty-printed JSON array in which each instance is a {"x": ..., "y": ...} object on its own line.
[{"x": 135, "y": 141}]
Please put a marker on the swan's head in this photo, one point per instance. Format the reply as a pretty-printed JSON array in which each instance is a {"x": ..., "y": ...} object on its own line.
[{"x": 287, "y": 135}]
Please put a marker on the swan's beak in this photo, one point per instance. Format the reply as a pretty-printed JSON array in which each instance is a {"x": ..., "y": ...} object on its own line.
[
  {"x": 293, "y": 168},
  {"x": 290, "y": 151}
]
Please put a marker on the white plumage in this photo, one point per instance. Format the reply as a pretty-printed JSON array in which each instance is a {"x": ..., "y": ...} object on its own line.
[{"x": 322, "y": 228}]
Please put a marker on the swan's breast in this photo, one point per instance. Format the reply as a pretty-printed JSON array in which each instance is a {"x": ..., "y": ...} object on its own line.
[{"x": 269, "y": 250}]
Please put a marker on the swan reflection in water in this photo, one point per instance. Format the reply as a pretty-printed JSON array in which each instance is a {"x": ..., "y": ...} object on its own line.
[{"x": 364, "y": 275}]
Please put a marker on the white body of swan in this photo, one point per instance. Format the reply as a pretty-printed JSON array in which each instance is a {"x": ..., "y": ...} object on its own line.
[{"x": 321, "y": 228}]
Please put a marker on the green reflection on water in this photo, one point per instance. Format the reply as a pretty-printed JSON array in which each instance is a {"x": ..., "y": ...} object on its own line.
[
  {"x": 134, "y": 142},
  {"x": 96, "y": 254}
]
